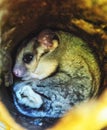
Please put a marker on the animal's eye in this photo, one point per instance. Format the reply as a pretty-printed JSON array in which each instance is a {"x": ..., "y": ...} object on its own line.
[{"x": 27, "y": 58}]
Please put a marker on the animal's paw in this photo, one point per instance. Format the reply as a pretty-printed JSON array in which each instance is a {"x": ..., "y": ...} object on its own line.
[
  {"x": 38, "y": 76},
  {"x": 35, "y": 76}
]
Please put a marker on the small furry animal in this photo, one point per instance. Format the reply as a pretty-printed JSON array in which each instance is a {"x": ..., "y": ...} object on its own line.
[{"x": 64, "y": 69}]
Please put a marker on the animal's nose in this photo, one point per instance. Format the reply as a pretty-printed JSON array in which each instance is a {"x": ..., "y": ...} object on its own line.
[{"x": 17, "y": 72}]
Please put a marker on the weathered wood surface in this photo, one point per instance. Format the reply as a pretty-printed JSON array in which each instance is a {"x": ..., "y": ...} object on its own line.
[{"x": 85, "y": 18}]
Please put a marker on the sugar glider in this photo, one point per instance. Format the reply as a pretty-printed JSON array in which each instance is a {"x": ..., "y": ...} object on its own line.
[{"x": 64, "y": 72}]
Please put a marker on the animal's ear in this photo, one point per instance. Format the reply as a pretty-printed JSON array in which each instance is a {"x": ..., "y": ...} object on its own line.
[
  {"x": 48, "y": 39},
  {"x": 54, "y": 44}
]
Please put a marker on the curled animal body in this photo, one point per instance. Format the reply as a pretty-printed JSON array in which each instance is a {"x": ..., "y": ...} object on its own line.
[{"x": 58, "y": 70}]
